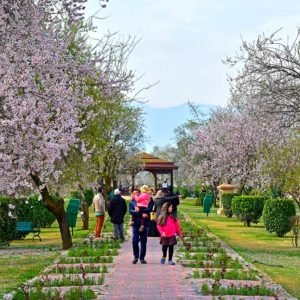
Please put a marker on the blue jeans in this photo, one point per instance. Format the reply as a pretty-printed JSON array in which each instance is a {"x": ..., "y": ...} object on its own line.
[
  {"x": 119, "y": 231},
  {"x": 139, "y": 237}
]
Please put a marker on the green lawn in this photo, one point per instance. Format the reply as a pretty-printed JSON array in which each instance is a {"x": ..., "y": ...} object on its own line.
[
  {"x": 18, "y": 267},
  {"x": 273, "y": 255}
]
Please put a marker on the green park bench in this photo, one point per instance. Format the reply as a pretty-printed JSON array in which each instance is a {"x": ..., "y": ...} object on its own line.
[{"x": 27, "y": 227}]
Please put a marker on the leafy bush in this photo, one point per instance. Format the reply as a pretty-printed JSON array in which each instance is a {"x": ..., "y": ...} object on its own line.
[
  {"x": 199, "y": 193},
  {"x": 25, "y": 209},
  {"x": 33, "y": 209},
  {"x": 88, "y": 195},
  {"x": 184, "y": 191},
  {"x": 248, "y": 208},
  {"x": 7, "y": 221},
  {"x": 226, "y": 202},
  {"x": 276, "y": 215}
]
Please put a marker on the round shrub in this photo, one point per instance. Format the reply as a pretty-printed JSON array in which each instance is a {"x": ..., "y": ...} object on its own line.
[
  {"x": 277, "y": 214},
  {"x": 248, "y": 209},
  {"x": 226, "y": 202}
]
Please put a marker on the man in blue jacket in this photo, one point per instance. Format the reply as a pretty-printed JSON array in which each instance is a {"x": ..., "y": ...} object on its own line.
[{"x": 137, "y": 236}]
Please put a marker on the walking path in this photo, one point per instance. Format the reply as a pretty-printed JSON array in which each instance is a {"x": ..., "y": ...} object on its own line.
[{"x": 150, "y": 281}]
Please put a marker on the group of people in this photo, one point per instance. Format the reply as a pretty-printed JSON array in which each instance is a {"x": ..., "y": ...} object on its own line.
[{"x": 163, "y": 204}]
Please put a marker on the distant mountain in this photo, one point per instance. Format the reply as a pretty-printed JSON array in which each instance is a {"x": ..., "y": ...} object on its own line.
[{"x": 160, "y": 123}]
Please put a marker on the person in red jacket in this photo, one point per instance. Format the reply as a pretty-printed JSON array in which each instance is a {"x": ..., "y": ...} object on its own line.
[{"x": 168, "y": 227}]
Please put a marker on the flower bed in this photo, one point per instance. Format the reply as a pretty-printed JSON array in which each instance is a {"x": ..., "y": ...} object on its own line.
[
  {"x": 215, "y": 271},
  {"x": 77, "y": 274}
]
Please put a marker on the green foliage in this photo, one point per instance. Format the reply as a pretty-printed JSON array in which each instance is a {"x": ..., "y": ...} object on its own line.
[
  {"x": 199, "y": 193},
  {"x": 183, "y": 191},
  {"x": 88, "y": 195},
  {"x": 282, "y": 165},
  {"x": 55, "y": 294},
  {"x": 276, "y": 215},
  {"x": 226, "y": 202},
  {"x": 25, "y": 209},
  {"x": 33, "y": 209},
  {"x": 7, "y": 222},
  {"x": 248, "y": 208},
  {"x": 197, "y": 190}
]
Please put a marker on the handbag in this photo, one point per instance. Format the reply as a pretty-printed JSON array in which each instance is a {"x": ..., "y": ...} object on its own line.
[
  {"x": 153, "y": 213},
  {"x": 153, "y": 216}
]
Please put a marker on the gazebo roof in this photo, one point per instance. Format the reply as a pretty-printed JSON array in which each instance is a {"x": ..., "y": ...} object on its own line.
[{"x": 152, "y": 163}]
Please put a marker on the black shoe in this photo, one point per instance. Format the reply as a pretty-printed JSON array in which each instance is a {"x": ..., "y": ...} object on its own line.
[
  {"x": 143, "y": 261},
  {"x": 135, "y": 260}
]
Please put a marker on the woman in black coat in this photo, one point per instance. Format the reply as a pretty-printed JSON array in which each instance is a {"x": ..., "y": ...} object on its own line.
[
  {"x": 153, "y": 231},
  {"x": 117, "y": 210},
  {"x": 160, "y": 200}
]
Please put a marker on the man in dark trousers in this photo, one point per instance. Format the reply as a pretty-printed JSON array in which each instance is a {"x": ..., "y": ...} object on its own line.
[
  {"x": 139, "y": 236},
  {"x": 117, "y": 210}
]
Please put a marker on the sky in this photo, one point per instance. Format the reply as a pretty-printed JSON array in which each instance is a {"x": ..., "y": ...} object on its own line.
[
  {"x": 161, "y": 122},
  {"x": 182, "y": 43}
]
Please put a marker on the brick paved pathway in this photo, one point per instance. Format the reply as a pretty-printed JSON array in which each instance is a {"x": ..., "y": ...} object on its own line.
[{"x": 151, "y": 281}]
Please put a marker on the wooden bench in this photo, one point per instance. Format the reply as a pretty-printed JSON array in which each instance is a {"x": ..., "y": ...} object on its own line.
[{"x": 27, "y": 227}]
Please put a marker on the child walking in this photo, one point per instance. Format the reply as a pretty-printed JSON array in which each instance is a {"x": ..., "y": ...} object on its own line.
[{"x": 168, "y": 227}]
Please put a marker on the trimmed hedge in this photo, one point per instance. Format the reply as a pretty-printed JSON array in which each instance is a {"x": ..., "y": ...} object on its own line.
[
  {"x": 277, "y": 214},
  {"x": 226, "y": 202},
  {"x": 248, "y": 209}
]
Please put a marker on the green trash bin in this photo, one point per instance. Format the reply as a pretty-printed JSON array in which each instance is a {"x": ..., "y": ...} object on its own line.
[
  {"x": 75, "y": 202},
  {"x": 207, "y": 203},
  {"x": 72, "y": 212}
]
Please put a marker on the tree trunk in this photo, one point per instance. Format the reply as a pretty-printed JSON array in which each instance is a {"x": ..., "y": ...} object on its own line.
[
  {"x": 108, "y": 182},
  {"x": 57, "y": 208},
  {"x": 242, "y": 185},
  {"x": 85, "y": 215},
  {"x": 61, "y": 218},
  {"x": 296, "y": 198},
  {"x": 105, "y": 194},
  {"x": 115, "y": 183},
  {"x": 214, "y": 190},
  {"x": 84, "y": 210}
]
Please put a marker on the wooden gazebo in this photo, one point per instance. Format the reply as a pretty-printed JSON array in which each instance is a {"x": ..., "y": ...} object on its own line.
[{"x": 156, "y": 165}]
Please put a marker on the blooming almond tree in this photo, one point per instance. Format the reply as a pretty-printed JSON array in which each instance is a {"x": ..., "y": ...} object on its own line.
[
  {"x": 228, "y": 146},
  {"x": 43, "y": 102},
  {"x": 269, "y": 78}
]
